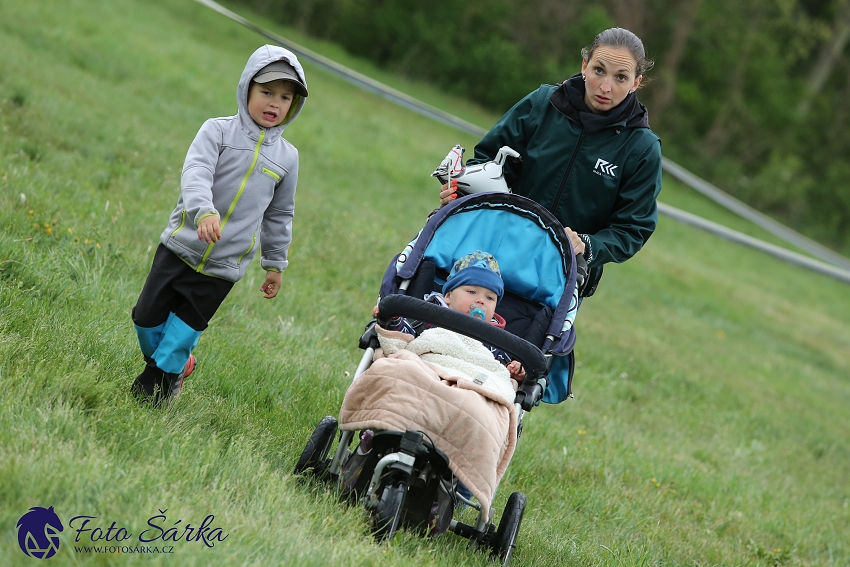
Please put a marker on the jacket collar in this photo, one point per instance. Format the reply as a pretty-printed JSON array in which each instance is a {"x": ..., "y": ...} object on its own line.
[{"x": 568, "y": 98}]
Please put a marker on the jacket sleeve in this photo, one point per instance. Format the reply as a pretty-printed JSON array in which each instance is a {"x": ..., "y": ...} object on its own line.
[
  {"x": 402, "y": 325},
  {"x": 276, "y": 230},
  {"x": 198, "y": 171},
  {"x": 635, "y": 213},
  {"x": 513, "y": 130}
]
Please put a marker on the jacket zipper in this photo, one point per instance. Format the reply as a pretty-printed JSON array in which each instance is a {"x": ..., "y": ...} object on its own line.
[
  {"x": 270, "y": 173},
  {"x": 253, "y": 241},
  {"x": 563, "y": 184},
  {"x": 235, "y": 199},
  {"x": 181, "y": 225}
]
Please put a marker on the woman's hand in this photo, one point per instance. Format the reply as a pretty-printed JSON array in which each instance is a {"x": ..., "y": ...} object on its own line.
[
  {"x": 578, "y": 243},
  {"x": 210, "y": 229},
  {"x": 448, "y": 195}
]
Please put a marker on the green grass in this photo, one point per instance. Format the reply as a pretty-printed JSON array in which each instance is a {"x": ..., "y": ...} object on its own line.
[{"x": 710, "y": 424}]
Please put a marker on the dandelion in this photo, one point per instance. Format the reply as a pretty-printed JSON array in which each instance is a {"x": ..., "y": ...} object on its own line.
[
  {"x": 97, "y": 245},
  {"x": 31, "y": 212},
  {"x": 69, "y": 230},
  {"x": 582, "y": 432},
  {"x": 54, "y": 221},
  {"x": 49, "y": 230}
]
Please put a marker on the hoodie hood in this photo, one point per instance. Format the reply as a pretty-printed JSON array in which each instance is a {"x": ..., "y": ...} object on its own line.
[{"x": 259, "y": 59}]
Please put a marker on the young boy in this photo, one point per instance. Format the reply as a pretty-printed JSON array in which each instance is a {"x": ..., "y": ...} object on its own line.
[
  {"x": 474, "y": 286},
  {"x": 237, "y": 191}
]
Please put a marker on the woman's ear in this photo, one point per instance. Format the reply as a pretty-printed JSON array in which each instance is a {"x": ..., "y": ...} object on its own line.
[{"x": 637, "y": 83}]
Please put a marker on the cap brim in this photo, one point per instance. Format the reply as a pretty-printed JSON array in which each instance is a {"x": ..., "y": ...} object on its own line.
[{"x": 270, "y": 76}]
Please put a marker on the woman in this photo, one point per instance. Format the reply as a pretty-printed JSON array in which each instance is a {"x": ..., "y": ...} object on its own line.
[{"x": 588, "y": 154}]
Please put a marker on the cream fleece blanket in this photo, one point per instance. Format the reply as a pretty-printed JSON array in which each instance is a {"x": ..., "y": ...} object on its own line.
[{"x": 448, "y": 386}]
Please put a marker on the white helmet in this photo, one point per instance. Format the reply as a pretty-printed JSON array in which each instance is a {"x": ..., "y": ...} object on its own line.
[{"x": 481, "y": 178}]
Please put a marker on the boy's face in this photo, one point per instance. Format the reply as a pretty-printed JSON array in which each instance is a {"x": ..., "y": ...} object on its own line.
[
  {"x": 268, "y": 103},
  {"x": 463, "y": 297}
]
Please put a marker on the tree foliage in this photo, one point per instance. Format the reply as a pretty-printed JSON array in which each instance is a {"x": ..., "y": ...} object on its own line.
[{"x": 754, "y": 96}]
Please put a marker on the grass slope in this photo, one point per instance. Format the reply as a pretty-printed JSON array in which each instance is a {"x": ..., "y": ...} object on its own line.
[{"x": 710, "y": 424}]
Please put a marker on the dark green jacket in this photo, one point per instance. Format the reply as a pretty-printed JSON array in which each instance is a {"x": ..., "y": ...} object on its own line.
[{"x": 601, "y": 183}]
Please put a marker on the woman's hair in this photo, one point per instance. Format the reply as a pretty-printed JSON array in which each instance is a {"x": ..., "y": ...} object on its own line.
[{"x": 620, "y": 38}]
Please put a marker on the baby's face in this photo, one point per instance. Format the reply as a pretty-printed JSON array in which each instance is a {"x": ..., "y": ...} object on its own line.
[
  {"x": 465, "y": 297},
  {"x": 268, "y": 103}
]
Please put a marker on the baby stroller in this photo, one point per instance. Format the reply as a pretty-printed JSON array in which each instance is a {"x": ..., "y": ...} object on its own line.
[{"x": 403, "y": 479}]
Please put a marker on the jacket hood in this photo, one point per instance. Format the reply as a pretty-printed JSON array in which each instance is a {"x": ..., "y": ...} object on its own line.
[
  {"x": 259, "y": 59},
  {"x": 568, "y": 98}
]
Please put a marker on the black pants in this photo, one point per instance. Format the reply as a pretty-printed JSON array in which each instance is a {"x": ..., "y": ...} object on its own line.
[{"x": 174, "y": 308}]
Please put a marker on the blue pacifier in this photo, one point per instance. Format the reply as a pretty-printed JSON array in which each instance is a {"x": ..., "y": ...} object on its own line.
[{"x": 477, "y": 312}]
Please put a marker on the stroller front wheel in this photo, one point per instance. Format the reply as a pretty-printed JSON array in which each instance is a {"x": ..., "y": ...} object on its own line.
[
  {"x": 389, "y": 509},
  {"x": 506, "y": 536},
  {"x": 315, "y": 453}
]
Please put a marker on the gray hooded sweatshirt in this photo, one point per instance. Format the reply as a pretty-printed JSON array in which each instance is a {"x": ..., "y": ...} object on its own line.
[{"x": 245, "y": 174}]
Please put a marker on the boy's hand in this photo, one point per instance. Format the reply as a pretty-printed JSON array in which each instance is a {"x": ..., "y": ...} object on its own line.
[
  {"x": 516, "y": 370},
  {"x": 210, "y": 229},
  {"x": 271, "y": 286}
]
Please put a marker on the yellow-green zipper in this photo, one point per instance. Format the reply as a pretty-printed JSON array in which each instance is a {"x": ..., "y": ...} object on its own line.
[
  {"x": 253, "y": 241},
  {"x": 271, "y": 173},
  {"x": 181, "y": 225},
  {"x": 235, "y": 199}
]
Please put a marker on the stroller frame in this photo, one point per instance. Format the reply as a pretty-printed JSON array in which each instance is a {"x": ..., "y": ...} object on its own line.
[{"x": 406, "y": 465}]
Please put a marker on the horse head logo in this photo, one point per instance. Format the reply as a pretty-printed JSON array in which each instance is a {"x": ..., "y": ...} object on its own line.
[{"x": 38, "y": 532}]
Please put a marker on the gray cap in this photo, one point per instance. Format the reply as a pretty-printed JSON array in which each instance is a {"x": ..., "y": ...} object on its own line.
[{"x": 280, "y": 70}]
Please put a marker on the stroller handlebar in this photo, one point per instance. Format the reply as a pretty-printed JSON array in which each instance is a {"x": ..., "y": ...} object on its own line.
[{"x": 531, "y": 357}]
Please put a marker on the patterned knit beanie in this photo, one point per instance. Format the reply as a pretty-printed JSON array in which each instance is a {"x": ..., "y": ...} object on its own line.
[{"x": 478, "y": 268}]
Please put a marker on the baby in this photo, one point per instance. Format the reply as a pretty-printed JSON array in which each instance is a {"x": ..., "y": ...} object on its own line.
[{"x": 474, "y": 286}]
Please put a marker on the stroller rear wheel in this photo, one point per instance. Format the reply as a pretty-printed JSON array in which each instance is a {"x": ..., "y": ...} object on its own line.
[
  {"x": 389, "y": 510},
  {"x": 315, "y": 453},
  {"x": 506, "y": 536}
]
